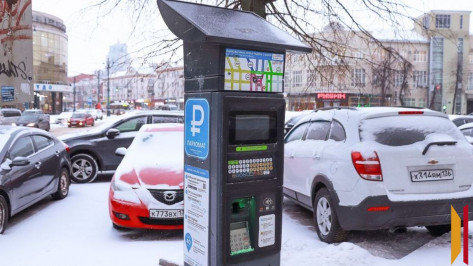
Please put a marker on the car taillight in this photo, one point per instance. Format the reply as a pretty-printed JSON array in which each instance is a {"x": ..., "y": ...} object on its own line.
[
  {"x": 67, "y": 148},
  {"x": 411, "y": 112},
  {"x": 368, "y": 167}
]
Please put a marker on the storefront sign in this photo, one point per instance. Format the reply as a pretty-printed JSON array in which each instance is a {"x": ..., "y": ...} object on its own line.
[
  {"x": 331, "y": 96},
  {"x": 52, "y": 87}
]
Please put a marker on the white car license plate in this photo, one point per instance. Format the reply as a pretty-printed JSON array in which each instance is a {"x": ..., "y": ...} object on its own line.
[
  {"x": 431, "y": 175},
  {"x": 166, "y": 214}
]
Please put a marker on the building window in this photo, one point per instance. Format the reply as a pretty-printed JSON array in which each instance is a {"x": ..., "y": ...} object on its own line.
[
  {"x": 442, "y": 21},
  {"x": 470, "y": 59},
  {"x": 398, "y": 78},
  {"x": 461, "y": 21},
  {"x": 421, "y": 103},
  {"x": 311, "y": 77},
  {"x": 358, "y": 77},
  {"x": 420, "y": 56},
  {"x": 420, "y": 79},
  {"x": 470, "y": 81},
  {"x": 297, "y": 78},
  {"x": 426, "y": 22},
  {"x": 409, "y": 102}
]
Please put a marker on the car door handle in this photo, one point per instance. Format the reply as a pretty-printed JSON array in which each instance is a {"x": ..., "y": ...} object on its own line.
[
  {"x": 37, "y": 165},
  {"x": 57, "y": 153}
]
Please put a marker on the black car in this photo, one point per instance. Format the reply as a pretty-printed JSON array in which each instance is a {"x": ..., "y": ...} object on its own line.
[
  {"x": 94, "y": 151},
  {"x": 34, "y": 118},
  {"x": 34, "y": 165}
]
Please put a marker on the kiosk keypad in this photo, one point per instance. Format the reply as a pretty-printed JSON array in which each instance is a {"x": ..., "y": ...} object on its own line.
[{"x": 250, "y": 167}]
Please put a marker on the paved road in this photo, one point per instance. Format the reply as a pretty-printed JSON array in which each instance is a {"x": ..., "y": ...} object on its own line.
[{"x": 60, "y": 129}]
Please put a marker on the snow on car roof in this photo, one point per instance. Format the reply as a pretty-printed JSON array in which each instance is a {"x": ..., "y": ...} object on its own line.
[{"x": 360, "y": 113}]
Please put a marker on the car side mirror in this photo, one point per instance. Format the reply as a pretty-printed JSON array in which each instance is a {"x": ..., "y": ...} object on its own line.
[
  {"x": 6, "y": 165},
  {"x": 120, "y": 151},
  {"x": 112, "y": 133},
  {"x": 20, "y": 161}
]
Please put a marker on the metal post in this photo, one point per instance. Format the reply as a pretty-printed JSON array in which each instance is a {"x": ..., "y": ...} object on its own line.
[
  {"x": 108, "y": 87},
  {"x": 74, "y": 96},
  {"x": 98, "y": 87}
]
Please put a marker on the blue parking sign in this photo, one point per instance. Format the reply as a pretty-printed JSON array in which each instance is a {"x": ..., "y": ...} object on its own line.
[{"x": 196, "y": 139}]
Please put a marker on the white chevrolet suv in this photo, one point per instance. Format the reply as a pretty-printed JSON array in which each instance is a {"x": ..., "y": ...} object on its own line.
[{"x": 378, "y": 168}]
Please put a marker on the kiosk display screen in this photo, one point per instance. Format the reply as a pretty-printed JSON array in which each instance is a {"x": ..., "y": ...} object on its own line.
[{"x": 252, "y": 128}]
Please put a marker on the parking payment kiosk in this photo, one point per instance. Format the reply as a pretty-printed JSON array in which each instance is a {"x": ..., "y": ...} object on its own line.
[{"x": 234, "y": 127}]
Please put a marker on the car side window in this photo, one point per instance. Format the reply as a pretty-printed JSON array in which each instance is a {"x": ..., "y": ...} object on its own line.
[
  {"x": 337, "y": 132},
  {"x": 318, "y": 130},
  {"x": 458, "y": 122},
  {"x": 164, "y": 119},
  {"x": 42, "y": 142},
  {"x": 297, "y": 133},
  {"x": 133, "y": 124},
  {"x": 23, "y": 147},
  {"x": 467, "y": 131}
]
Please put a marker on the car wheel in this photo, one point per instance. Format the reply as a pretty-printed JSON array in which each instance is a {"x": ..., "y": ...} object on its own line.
[
  {"x": 326, "y": 220},
  {"x": 84, "y": 168},
  {"x": 63, "y": 186},
  {"x": 438, "y": 230},
  {"x": 4, "y": 212}
]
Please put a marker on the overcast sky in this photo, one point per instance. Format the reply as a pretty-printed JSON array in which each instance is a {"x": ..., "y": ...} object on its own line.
[{"x": 90, "y": 34}]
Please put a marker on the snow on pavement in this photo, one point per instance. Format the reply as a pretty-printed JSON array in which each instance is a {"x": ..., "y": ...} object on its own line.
[{"x": 78, "y": 231}]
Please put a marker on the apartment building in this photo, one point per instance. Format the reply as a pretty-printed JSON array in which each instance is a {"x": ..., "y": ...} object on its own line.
[{"x": 421, "y": 67}]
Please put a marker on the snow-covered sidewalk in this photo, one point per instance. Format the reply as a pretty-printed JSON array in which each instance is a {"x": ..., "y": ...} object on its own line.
[{"x": 78, "y": 231}]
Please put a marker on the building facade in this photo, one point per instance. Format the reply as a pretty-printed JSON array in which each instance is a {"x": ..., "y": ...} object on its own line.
[
  {"x": 52, "y": 91},
  {"x": 16, "y": 63},
  {"x": 145, "y": 88},
  {"x": 410, "y": 68}
]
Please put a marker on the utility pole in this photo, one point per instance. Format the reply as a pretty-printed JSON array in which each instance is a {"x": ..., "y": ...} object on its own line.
[
  {"x": 98, "y": 88},
  {"x": 108, "y": 87},
  {"x": 74, "y": 96}
]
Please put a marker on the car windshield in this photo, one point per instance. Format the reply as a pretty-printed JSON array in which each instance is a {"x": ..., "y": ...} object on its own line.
[
  {"x": 30, "y": 114},
  {"x": 406, "y": 130},
  {"x": 78, "y": 115}
]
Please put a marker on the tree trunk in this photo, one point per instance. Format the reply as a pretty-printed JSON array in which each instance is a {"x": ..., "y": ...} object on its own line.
[{"x": 256, "y": 6}]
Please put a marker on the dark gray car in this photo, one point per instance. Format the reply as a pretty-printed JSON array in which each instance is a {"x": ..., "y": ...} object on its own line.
[
  {"x": 34, "y": 165},
  {"x": 94, "y": 151},
  {"x": 34, "y": 118}
]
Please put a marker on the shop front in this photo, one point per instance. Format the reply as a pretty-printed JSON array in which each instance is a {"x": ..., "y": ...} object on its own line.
[{"x": 51, "y": 98}]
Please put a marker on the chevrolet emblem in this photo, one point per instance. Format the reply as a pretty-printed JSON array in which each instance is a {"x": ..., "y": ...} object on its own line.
[{"x": 433, "y": 161}]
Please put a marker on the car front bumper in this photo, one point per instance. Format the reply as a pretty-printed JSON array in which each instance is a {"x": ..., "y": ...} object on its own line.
[
  {"x": 400, "y": 214},
  {"x": 138, "y": 216}
]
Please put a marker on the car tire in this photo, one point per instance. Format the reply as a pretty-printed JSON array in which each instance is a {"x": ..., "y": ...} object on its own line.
[
  {"x": 63, "y": 185},
  {"x": 438, "y": 230},
  {"x": 84, "y": 168},
  {"x": 4, "y": 213},
  {"x": 326, "y": 220}
]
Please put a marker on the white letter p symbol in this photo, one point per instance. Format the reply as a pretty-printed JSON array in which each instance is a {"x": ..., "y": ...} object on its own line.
[{"x": 195, "y": 124}]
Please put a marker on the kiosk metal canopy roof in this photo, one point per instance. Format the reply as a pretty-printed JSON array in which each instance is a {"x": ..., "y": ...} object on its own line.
[{"x": 202, "y": 23}]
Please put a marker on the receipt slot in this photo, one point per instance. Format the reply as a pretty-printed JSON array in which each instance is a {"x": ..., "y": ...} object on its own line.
[{"x": 234, "y": 127}]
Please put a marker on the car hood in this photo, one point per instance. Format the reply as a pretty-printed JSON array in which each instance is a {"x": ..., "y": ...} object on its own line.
[
  {"x": 81, "y": 135},
  {"x": 154, "y": 178},
  {"x": 27, "y": 120}
]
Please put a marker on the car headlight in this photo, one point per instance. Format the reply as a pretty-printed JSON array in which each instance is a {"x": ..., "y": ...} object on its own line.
[
  {"x": 124, "y": 192},
  {"x": 30, "y": 125},
  {"x": 13, "y": 124}
]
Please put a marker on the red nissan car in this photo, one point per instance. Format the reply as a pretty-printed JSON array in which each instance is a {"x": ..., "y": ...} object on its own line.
[
  {"x": 146, "y": 190},
  {"x": 80, "y": 119}
]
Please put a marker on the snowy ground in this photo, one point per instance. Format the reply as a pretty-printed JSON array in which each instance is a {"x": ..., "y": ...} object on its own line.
[{"x": 78, "y": 231}]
